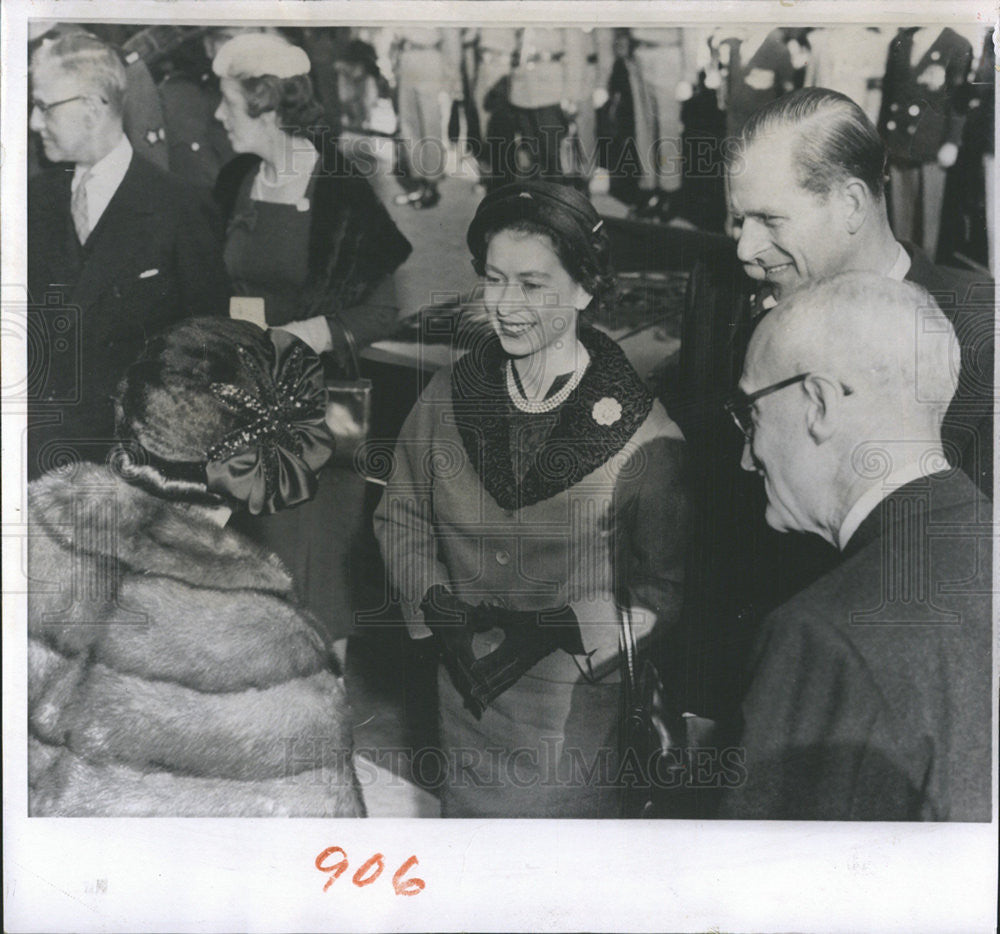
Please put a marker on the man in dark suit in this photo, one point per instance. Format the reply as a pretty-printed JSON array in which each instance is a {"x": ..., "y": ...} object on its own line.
[
  {"x": 870, "y": 693},
  {"x": 805, "y": 179},
  {"x": 117, "y": 250}
]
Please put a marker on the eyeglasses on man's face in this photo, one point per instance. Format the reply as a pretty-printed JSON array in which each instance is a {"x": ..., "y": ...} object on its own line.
[
  {"x": 740, "y": 404},
  {"x": 45, "y": 109}
]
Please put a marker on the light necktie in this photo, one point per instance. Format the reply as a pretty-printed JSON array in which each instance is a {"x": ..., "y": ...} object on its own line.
[{"x": 78, "y": 208}]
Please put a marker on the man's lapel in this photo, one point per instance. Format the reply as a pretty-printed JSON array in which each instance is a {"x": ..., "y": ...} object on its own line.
[{"x": 118, "y": 235}]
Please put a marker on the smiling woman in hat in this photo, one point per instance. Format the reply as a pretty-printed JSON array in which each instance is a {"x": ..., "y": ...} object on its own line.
[
  {"x": 308, "y": 239},
  {"x": 535, "y": 497}
]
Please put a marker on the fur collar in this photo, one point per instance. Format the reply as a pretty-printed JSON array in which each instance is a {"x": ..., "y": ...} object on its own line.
[
  {"x": 149, "y": 535},
  {"x": 593, "y": 425}
]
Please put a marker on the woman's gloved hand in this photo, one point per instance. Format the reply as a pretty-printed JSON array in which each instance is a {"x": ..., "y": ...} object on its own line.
[{"x": 525, "y": 638}]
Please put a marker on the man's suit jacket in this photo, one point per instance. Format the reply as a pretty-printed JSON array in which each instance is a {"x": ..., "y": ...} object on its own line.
[
  {"x": 919, "y": 113},
  {"x": 968, "y": 301},
  {"x": 154, "y": 258},
  {"x": 870, "y": 697},
  {"x": 740, "y": 568}
]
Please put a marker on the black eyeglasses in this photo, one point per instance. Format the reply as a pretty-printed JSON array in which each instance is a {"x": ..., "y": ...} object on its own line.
[
  {"x": 46, "y": 109},
  {"x": 740, "y": 403}
]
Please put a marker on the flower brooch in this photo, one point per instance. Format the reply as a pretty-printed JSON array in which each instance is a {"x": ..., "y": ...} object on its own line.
[{"x": 606, "y": 411}]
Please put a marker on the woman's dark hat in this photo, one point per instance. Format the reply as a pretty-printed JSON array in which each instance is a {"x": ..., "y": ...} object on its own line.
[{"x": 559, "y": 207}]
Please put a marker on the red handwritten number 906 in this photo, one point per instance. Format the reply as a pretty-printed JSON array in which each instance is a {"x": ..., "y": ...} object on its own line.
[{"x": 368, "y": 872}]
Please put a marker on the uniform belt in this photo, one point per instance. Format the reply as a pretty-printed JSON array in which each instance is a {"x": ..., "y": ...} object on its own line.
[
  {"x": 646, "y": 44},
  {"x": 536, "y": 58}
]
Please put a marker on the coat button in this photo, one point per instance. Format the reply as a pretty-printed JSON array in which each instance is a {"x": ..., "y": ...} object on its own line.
[
  {"x": 891, "y": 125},
  {"x": 894, "y": 106},
  {"x": 913, "y": 110},
  {"x": 503, "y": 557}
]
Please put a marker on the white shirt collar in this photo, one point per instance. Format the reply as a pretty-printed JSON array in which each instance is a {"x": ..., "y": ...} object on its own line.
[
  {"x": 866, "y": 503},
  {"x": 902, "y": 265},
  {"x": 103, "y": 178}
]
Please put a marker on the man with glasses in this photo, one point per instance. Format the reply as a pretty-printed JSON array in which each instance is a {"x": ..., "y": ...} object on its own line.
[
  {"x": 870, "y": 690},
  {"x": 805, "y": 177},
  {"x": 117, "y": 250}
]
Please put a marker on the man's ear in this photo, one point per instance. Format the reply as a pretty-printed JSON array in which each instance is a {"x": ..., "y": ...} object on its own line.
[
  {"x": 856, "y": 200},
  {"x": 824, "y": 408}
]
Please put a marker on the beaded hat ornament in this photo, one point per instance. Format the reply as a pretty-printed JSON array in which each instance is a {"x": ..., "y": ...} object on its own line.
[{"x": 270, "y": 460}]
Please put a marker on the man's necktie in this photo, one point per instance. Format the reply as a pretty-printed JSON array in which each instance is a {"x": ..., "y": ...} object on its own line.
[{"x": 78, "y": 208}]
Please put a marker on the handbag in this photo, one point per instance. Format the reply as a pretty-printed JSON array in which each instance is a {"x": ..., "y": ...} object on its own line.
[
  {"x": 652, "y": 738},
  {"x": 348, "y": 404},
  {"x": 662, "y": 742}
]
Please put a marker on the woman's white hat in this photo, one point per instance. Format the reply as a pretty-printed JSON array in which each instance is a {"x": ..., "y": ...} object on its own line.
[{"x": 256, "y": 54}]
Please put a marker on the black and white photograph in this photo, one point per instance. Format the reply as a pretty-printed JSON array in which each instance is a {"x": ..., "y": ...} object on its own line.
[{"x": 572, "y": 419}]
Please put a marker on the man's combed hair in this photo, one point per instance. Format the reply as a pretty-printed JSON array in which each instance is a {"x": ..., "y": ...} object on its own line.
[
  {"x": 834, "y": 139},
  {"x": 94, "y": 62}
]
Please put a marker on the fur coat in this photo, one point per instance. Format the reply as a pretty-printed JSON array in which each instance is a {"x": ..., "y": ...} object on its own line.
[{"x": 169, "y": 671}]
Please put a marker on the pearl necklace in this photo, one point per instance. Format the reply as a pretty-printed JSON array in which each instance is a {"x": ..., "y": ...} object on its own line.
[{"x": 553, "y": 401}]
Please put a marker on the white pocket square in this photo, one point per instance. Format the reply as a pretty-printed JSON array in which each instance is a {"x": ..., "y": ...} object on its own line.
[{"x": 149, "y": 273}]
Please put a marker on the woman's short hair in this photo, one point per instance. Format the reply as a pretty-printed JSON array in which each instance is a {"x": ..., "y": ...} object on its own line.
[
  {"x": 273, "y": 75},
  {"x": 834, "y": 139},
  {"x": 556, "y": 211},
  {"x": 92, "y": 61}
]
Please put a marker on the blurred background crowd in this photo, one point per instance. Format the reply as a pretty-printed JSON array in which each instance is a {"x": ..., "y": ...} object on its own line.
[{"x": 639, "y": 114}]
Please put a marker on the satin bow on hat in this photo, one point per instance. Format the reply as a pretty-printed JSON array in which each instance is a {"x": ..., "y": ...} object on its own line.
[{"x": 270, "y": 461}]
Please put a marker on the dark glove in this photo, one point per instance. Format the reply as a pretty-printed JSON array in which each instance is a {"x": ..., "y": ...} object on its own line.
[
  {"x": 549, "y": 629},
  {"x": 526, "y": 637},
  {"x": 441, "y": 608}
]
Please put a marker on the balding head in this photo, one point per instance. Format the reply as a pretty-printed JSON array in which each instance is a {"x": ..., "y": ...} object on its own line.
[
  {"x": 879, "y": 363},
  {"x": 883, "y": 338}
]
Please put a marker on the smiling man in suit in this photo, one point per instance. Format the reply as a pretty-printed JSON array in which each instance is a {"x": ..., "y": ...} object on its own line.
[{"x": 117, "y": 250}]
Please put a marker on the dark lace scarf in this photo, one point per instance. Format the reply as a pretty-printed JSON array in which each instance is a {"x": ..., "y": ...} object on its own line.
[{"x": 570, "y": 442}]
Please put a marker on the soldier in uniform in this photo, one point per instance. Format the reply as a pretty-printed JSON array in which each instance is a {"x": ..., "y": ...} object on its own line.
[
  {"x": 198, "y": 144},
  {"x": 546, "y": 78},
  {"x": 427, "y": 64},
  {"x": 849, "y": 59},
  {"x": 757, "y": 68},
  {"x": 658, "y": 66},
  {"x": 491, "y": 94},
  {"x": 599, "y": 58},
  {"x": 924, "y": 78}
]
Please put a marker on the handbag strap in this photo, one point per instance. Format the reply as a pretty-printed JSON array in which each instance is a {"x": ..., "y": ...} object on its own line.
[
  {"x": 352, "y": 346},
  {"x": 627, "y": 639}
]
